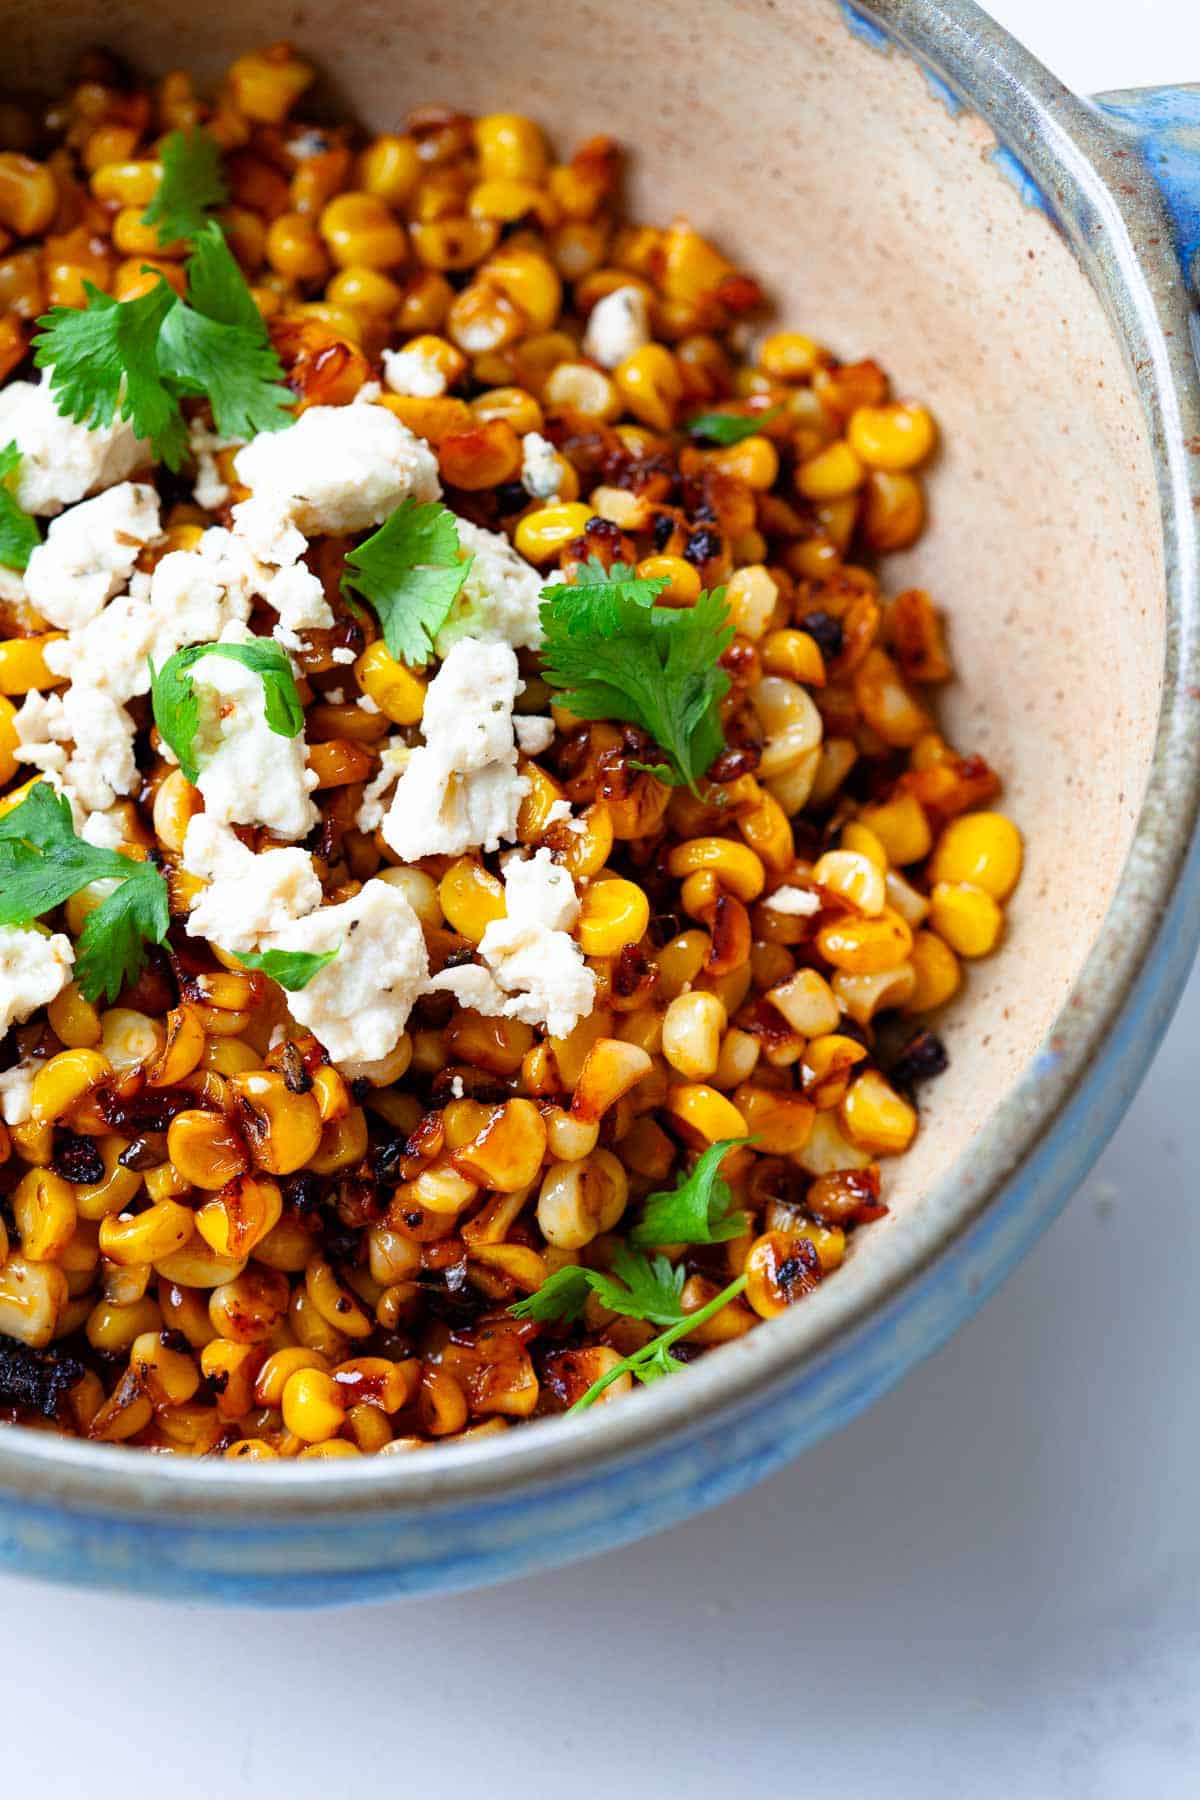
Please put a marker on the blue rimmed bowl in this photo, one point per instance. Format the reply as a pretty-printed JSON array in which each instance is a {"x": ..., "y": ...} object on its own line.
[{"x": 910, "y": 182}]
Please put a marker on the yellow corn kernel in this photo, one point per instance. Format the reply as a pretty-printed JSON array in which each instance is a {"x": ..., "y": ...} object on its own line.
[
  {"x": 470, "y": 898},
  {"x": 579, "y": 1200},
  {"x": 901, "y": 827},
  {"x": 862, "y": 841},
  {"x": 790, "y": 356},
  {"x": 511, "y": 148},
  {"x": 28, "y": 195},
  {"x": 507, "y": 1151},
  {"x": 205, "y": 1149},
  {"x": 335, "y": 1302},
  {"x": 132, "y": 182},
  {"x": 577, "y": 387},
  {"x": 680, "y": 961},
  {"x": 705, "y": 1111},
  {"x": 967, "y": 917},
  {"x": 182, "y": 1048},
  {"x": 234, "y": 1221},
  {"x": 231, "y": 1368},
  {"x": 755, "y": 461},
  {"x": 691, "y": 1034},
  {"x": 612, "y": 914},
  {"x": 831, "y": 474},
  {"x": 266, "y": 84},
  {"x": 294, "y": 248},
  {"x": 876, "y": 1118},
  {"x": 734, "y": 865},
  {"x": 752, "y": 596},
  {"x": 74, "y": 1021},
  {"x": 397, "y": 692},
  {"x": 893, "y": 510},
  {"x": 886, "y": 702},
  {"x": 344, "y": 1141},
  {"x": 683, "y": 578},
  {"x": 109, "y": 143},
  {"x": 8, "y": 741},
  {"x": 282, "y": 1129},
  {"x": 865, "y": 946},
  {"x": 130, "y": 1039},
  {"x": 133, "y": 238},
  {"x": 514, "y": 405},
  {"x": 176, "y": 803},
  {"x": 855, "y": 878},
  {"x": 170, "y": 1377},
  {"x": 794, "y": 654},
  {"x": 792, "y": 728},
  {"x": 611, "y": 1068},
  {"x": 828, "y": 1148},
  {"x": 279, "y": 1368},
  {"x": 23, "y": 667},
  {"x": 390, "y": 168},
  {"x": 539, "y": 537},
  {"x": 453, "y": 243},
  {"x": 862, "y": 996},
  {"x": 63, "y": 1080},
  {"x": 585, "y": 851},
  {"x": 158, "y": 1232},
  {"x": 807, "y": 1002},
  {"x": 504, "y": 199},
  {"x": 937, "y": 973},
  {"x": 361, "y": 230},
  {"x": 33, "y": 1297},
  {"x": 892, "y": 437},
  {"x": 44, "y": 1209},
  {"x": 119, "y": 1188},
  {"x": 982, "y": 849},
  {"x": 651, "y": 385},
  {"x": 367, "y": 293}
]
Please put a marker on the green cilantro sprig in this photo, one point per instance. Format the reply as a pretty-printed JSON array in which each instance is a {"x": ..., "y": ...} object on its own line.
[
  {"x": 138, "y": 359},
  {"x": 618, "y": 655},
  {"x": 639, "y": 1287},
  {"x": 176, "y": 704},
  {"x": 192, "y": 185},
  {"x": 654, "y": 1359},
  {"x": 19, "y": 534},
  {"x": 292, "y": 969},
  {"x": 411, "y": 570},
  {"x": 700, "y": 1210},
  {"x": 43, "y": 862},
  {"x": 730, "y": 428}
]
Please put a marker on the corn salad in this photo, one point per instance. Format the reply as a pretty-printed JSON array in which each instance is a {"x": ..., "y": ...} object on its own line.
[{"x": 214, "y": 1240}]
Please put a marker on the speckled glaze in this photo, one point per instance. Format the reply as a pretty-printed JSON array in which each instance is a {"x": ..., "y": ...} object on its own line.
[{"x": 913, "y": 184}]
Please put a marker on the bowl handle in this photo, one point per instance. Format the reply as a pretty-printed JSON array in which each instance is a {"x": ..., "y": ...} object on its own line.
[{"x": 1163, "y": 125}]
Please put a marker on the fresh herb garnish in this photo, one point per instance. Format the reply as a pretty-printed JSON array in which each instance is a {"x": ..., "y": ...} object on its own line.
[
  {"x": 138, "y": 359},
  {"x": 730, "y": 428},
  {"x": 19, "y": 534},
  {"x": 700, "y": 1210},
  {"x": 192, "y": 185},
  {"x": 618, "y": 655},
  {"x": 654, "y": 1359},
  {"x": 410, "y": 571},
  {"x": 177, "y": 706},
  {"x": 637, "y": 1287},
  {"x": 292, "y": 969},
  {"x": 42, "y": 863}
]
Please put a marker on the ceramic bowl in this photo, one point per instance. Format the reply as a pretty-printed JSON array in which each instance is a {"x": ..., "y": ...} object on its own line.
[{"x": 909, "y": 182}]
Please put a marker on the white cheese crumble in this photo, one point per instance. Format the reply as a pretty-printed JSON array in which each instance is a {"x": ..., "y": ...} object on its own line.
[
  {"x": 277, "y": 571},
  {"x": 249, "y": 773},
  {"x": 339, "y": 468},
  {"x": 541, "y": 467},
  {"x": 210, "y": 491},
  {"x": 533, "y": 968},
  {"x": 535, "y": 733},
  {"x": 412, "y": 372},
  {"x": 89, "y": 553},
  {"x": 60, "y": 460},
  {"x": 16, "y": 1093},
  {"x": 500, "y": 598},
  {"x": 618, "y": 325},
  {"x": 248, "y": 896},
  {"x": 393, "y": 756},
  {"x": 461, "y": 789},
  {"x": 358, "y": 1005},
  {"x": 33, "y": 969},
  {"x": 795, "y": 901},
  {"x": 99, "y": 766}
]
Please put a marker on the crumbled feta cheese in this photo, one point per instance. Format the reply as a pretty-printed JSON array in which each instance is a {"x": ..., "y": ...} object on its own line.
[
  {"x": 535, "y": 733},
  {"x": 248, "y": 896},
  {"x": 249, "y": 773},
  {"x": 33, "y": 969},
  {"x": 393, "y": 757},
  {"x": 541, "y": 467},
  {"x": 339, "y": 468},
  {"x": 12, "y": 587},
  {"x": 343, "y": 656},
  {"x": 560, "y": 814},
  {"x": 16, "y": 1093},
  {"x": 60, "y": 460},
  {"x": 262, "y": 526},
  {"x": 102, "y": 830},
  {"x": 533, "y": 968},
  {"x": 794, "y": 900},
  {"x": 619, "y": 324},
  {"x": 461, "y": 788},
  {"x": 358, "y": 1005},
  {"x": 210, "y": 491},
  {"x": 412, "y": 372},
  {"x": 100, "y": 765},
  {"x": 368, "y": 705},
  {"x": 89, "y": 553},
  {"x": 500, "y": 599}
]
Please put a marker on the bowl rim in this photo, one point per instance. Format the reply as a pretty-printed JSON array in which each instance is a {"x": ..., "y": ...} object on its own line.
[{"x": 1110, "y": 210}]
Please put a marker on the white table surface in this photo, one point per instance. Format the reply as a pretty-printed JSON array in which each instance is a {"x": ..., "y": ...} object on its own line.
[{"x": 985, "y": 1588}]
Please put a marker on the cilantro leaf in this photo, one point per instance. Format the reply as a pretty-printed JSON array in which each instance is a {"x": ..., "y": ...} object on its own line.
[
  {"x": 730, "y": 428},
  {"x": 654, "y": 1360},
  {"x": 192, "y": 184},
  {"x": 42, "y": 863},
  {"x": 292, "y": 969},
  {"x": 698, "y": 1211},
  {"x": 177, "y": 708},
  {"x": 637, "y": 1287},
  {"x": 19, "y": 534},
  {"x": 562, "y": 1296},
  {"x": 410, "y": 572},
  {"x": 620, "y": 656},
  {"x": 103, "y": 364},
  {"x": 217, "y": 345}
]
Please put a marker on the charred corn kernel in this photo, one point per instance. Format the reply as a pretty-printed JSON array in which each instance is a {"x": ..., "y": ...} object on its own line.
[
  {"x": 540, "y": 535},
  {"x": 507, "y": 1152},
  {"x": 158, "y": 1232},
  {"x": 734, "y": 865},
  {"x": 43, "y": 1206},
  {"x": 828, "y": 1148},
  {"x": 982, "y": 849},
  {"x": 281, "y": 1129},
  {"x": 807, "y": 1002},
  {"x": 237, "y": 1219},
  {"x": 28, "y": 196},
  {"x": 855, "y": 878},
  {"x": 651, "y": 385},
  {"x": 691, "y": 1034},
  {"x": 862, "y": 996},
  {"x": 865, "y": 946},
  {"x": 206, "y": 1149},
  {"x": 966, "y": 917},
  {"x": 377, "y": 1381},
  {"x": 390, "y": 168},
  {"x": 512, "y": 404},
  {"x": 453, "y": 243},
  {"x": 182, "y": 1049},
  {"x": 396, "y": 691},
  {"x": 937, "y": 973},
  {"x": 827, "y": 1065},
  {"x": 74, "y": 1020},
  {"x": 682, "y": 578},
  {"x": 294, "y": 248},
  {"x": 752, "y": 596},
  {"x": 33, "y": 1297},
  {"x": 482, "y": 319},
  {"x": 334, "y": 1301},
  {"x": 360, "y": 230},
  {"x": 266, "y": 84},
  {"x": 120, "y": 1186},
  {"x": 779, "y": 1121},
  {"x": 710, "y": 1114},
  {"x": 831, "y": 474},
  {"x": 579, "y": 1200},
  {"x": 610, "y": 1069},
  {"x": 891, "y": 437},
  {"x": 251, "y": 1450},
  {"x": 885, "y": 701},
  {"x": 778, "y": 1273},
  {"x": 23, "y": 667},
  {"x": 344, "y": 1141},
  {"x": 169, "y": 1377},
  {"x": 198, "y": 1266},
  {"x": 631, "y": 512},
  {"x": 329, "y": 1451},
  {"x": 875, "y": 1116},
  {"x": 130, "y": 1039},
  {"x": 485, "y": 456},
  {"x": 790, "y": 356},
  {"x": 893, "y": 510},
  {"x": 612, "y": 914},
  {"x": 791, "y": 725},
  {"x": 231, "y": 1370},
  {"x": 63, "y": 1080},
  {"x": 511, "y": 148},
  {"x": 901, "y": 827}
]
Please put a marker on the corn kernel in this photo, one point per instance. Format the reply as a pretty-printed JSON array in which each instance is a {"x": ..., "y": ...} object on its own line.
[
  {"x": 982, "y": 849},
  {"x": 967, "y": 917}
]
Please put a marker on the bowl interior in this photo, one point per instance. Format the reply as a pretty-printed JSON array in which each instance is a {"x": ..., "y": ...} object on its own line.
[{"x": 879, "y": 224}]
